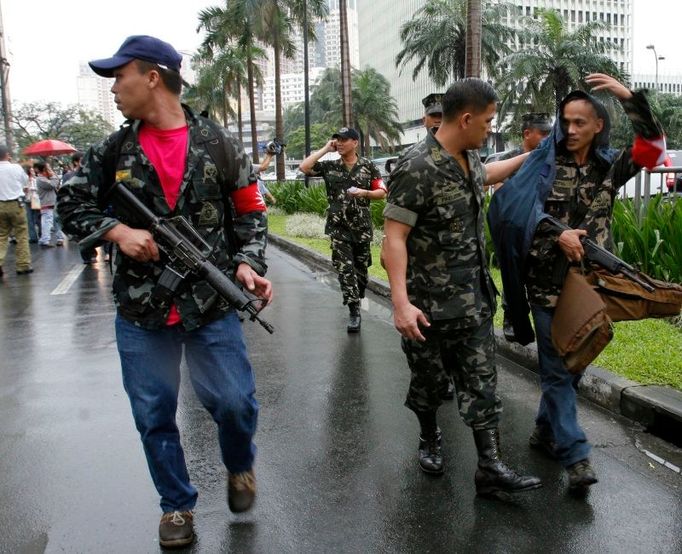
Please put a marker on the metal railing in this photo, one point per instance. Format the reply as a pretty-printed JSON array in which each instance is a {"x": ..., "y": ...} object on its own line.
[{"x": 643, "y": 190}]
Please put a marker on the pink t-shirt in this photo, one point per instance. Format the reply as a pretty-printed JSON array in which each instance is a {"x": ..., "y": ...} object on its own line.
[{"x": 167, "y": 151}]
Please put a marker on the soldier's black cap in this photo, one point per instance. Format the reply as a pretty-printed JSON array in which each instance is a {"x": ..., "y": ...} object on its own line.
[
  {"x": 433, "y": 103},
  {"x": 536, "y": 120},
  {"x": 347, "y": 133},
  {"x": 139, "y": 47}
]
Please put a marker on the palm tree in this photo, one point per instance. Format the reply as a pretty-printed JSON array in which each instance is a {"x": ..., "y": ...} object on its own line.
[
  {"x": 436, "y": 38},
  {"x": 273, "y": 22},
  {"x": 233, "y": 24},
  {"x": 375, "y": 111},
  {"x": 553, "y": 62}
]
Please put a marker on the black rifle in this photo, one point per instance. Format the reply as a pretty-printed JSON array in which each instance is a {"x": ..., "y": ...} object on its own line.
[
  {"x": 603, "y": 258},
  {"x": 187, "y": 250}
]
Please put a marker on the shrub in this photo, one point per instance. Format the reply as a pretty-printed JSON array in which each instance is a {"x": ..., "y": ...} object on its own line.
[
  {"x": 651, "y": 239},
  {"x": 310, "y": 226}
]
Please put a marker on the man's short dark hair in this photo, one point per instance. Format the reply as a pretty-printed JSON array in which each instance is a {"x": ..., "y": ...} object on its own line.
[
  {"x": 4, "y": 151},
  {"x": 39, "y": 166},
  {"x": 469, "y": 94},
  {"x": 171, "y": 79},
  {"x": 76, "y": 157}
]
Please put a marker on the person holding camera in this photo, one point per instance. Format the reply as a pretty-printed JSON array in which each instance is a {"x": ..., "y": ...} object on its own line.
[
  {"x": 274, "y": 148},
  {"x": 351, "y": 183}
]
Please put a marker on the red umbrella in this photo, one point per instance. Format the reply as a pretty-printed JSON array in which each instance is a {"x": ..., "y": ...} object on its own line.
[{"x": 48, "y": 147}]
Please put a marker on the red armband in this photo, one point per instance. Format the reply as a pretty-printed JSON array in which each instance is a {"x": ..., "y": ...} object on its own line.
[
  {"x": 648, "y": 153},
  {"x": 248, "y": 199},
  {"x": 378, "y": 184}
]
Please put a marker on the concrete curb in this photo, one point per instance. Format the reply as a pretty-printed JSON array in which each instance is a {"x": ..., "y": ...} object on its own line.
[{"x": 656, "y": 407}]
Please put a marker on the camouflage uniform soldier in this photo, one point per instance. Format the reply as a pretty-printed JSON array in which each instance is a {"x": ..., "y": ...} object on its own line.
[
  {"x": 581, "y": 196},
  {"x": 165, "y": 158},
  {"x": 351, "y": 183},
  {"x": 442, "y": 293}
]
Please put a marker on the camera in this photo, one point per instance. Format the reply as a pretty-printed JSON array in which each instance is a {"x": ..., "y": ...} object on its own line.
[{"x": 275, "y": 146}]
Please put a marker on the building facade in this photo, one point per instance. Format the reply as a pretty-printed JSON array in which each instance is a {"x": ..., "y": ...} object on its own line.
[
  {"x": 379, "y": 49},
  {"x": 94, "y": 94},
  {"x": 667, "y": 84}
]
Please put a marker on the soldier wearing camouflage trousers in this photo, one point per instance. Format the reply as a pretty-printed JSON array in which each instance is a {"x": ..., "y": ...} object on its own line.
[
  {"x": 442, "y": 293},
  {"x": 351, "y": 183}
]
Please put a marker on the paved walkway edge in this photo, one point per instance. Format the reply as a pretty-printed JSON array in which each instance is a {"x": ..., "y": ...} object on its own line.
[{"x": 656, "y": 407}]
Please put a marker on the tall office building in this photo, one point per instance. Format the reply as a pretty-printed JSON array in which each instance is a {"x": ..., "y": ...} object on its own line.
[
  {"x": 94, "y": 93},
  {"x": 379, "y": 38},
  {"x": 667, "y": 84}
]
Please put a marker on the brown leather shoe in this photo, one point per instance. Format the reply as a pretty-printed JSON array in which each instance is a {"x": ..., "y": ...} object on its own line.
[
  {"x": 176, "y": 529},
  {"x": 241, "y": 491}
]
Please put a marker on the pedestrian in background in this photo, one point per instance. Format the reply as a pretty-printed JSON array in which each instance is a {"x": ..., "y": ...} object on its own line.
[
  {"x": 442, "y": 293},
  {"x": 13, "y": 180},
  {"x": 32, "y": 202},
  {"x": 47, "y": 183},
  {"x": 351, "y": 183},
  {"x": 180, "y": 163}
]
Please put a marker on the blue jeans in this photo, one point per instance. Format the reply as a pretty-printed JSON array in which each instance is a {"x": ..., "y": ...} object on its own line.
[
  {"x": 223, "y": 380},
  {"x": 557, "y": 416}
]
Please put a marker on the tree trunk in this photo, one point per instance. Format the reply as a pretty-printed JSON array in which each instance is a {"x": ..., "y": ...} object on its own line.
[
  {"x": 473, "y": 39},
  {"x": 252, "y": 111},
  {"x": 226, "y": 105},
  {"x": 279, "y": 119},
  {"x": 240, "y": 122},
  {"x": 345, "y": 66}
]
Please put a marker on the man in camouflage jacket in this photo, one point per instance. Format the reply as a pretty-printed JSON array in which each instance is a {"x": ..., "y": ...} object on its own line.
[
  {"x": 164, "y": 159},
  {"x": 442, "y": 293},
  {"x": 588, "y": 177},
  {"x": 351, "y": 183}
]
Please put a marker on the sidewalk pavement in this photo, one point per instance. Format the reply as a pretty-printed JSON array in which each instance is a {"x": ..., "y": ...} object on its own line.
[{"x": 656, "y": 407}]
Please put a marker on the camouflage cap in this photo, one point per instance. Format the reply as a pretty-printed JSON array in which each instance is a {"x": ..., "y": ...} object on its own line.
[
  {"x": 536, "y": 120},
  {"x": 433, "y": 103}
]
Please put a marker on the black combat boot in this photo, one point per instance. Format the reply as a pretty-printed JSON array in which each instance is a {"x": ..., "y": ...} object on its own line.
[
  {"x": 493, "y": 476},
  {"x": 355, "y": 319},
  {"x": 430, "y": 457}
]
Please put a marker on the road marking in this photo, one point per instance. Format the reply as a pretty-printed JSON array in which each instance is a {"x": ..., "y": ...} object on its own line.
[{"x": 70, "y": 279}]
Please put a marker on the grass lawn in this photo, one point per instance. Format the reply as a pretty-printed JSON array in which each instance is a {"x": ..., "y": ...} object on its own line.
[{"x": 648, "y": 351}]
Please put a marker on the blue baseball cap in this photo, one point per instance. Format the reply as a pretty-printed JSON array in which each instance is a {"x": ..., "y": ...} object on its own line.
[{"x": 139, "y": 47}]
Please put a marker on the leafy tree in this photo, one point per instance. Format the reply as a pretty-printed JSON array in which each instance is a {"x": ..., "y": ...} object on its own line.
[
  {"x": 375, "y": 111},
  {"x": 435, "y": 38},
  {"x": 232, "y": 28},
  {"x": 553, "y": 62},
  {"x": 319, "y": 135},
  {"x": 274, "y": 22},
  {"x": 73, "y": 124}
]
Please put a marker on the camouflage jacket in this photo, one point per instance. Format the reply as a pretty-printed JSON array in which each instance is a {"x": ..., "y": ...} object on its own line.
[
  {"x": 447, "y": 276},
  {"x": 348, "y": 218},
  {"x": 582, "y": 197},
  {"x": 201, "y": 201}
]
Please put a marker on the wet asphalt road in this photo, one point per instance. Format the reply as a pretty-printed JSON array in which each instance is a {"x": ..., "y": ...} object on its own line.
[{"x": 336, "y": 462}]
